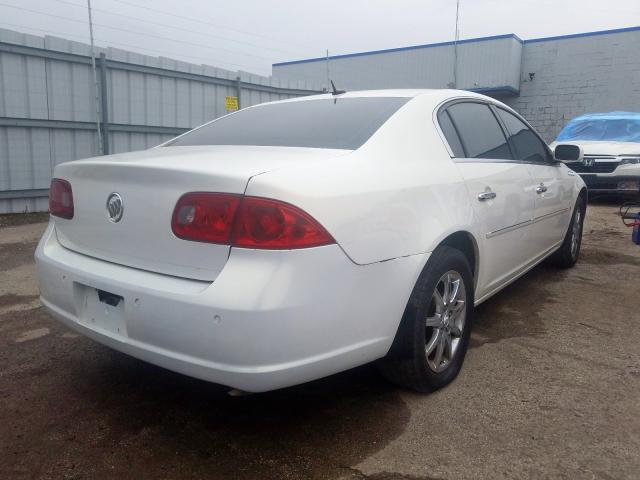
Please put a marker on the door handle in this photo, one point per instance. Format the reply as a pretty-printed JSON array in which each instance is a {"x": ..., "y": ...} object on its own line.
[
  {"x": 541, "y": 188},
  {"x": 486, "y": 196}
]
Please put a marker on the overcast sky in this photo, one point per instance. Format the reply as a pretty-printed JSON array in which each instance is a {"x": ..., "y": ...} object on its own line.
[{"x": 250, "y": 35}]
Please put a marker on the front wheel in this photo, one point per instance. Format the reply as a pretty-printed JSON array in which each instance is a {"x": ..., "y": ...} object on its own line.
[
  {"x": 433, "y": 336},
  {"x": 567, "y": 255}
]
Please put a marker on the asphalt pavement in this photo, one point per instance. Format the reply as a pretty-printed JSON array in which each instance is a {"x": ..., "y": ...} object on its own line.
[{"x": 550, "y": 389}]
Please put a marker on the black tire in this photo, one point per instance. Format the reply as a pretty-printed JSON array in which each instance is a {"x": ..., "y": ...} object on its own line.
[
  {"x": 567, "y": 255},
  {"x": 408, "y": 362}
]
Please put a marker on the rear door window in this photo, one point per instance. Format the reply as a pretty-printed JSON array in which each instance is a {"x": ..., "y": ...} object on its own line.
[
  {"x": 450, "y": 134},
  {"x": 480, "y": 133},
  {"x": 525, "y": 142}
]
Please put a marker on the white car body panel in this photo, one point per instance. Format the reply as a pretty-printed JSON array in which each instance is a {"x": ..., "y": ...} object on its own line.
[
  {"x": 504, "y": 221},
  {"x": 251, "y": 329},
  {"x": 553, "y": 207},
  {"x": 263, "y": 319},
  {"x": 152, "y": 181},
  {"x": 392, "y": 205}
]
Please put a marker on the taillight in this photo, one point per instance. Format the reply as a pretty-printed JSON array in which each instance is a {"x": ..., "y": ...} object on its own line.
[
  {"x": 264, "y": 223},
  {"x": 248, "y": 222},
  {"x": 61, "y": 198},
  {"x": 205, "y": 217}
]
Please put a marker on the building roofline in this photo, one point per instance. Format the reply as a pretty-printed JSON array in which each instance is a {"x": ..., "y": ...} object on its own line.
[
  {"x": 401, "y": 49},
  {"x": 460, "y": 42},
  {"x": 584, "y": 34}
]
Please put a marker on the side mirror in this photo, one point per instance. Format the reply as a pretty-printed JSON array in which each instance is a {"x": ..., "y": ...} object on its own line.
[{"x": 568, "y": 153}]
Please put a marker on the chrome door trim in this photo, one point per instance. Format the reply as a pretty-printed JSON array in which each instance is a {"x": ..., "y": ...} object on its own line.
[
  {"x": 510, "y": 228},
  {"x": 549, "y": 215}
]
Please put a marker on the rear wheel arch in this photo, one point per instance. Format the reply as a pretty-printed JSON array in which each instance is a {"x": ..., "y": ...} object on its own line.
[
  {"x": 462, "y": 241},
  {"x": 568, "y": 252},
  {"x": 466, "y": 243},
  {"x": 406, "y": 361},
  {"x": 583, "y": 198},
  {"x": 583, "y": 194}
]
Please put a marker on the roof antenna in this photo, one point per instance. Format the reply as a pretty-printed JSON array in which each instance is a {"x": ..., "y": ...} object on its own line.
[{"x": 335, "y": 91}]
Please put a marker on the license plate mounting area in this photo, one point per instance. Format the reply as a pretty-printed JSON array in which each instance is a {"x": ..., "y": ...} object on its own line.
[{"x": 100, "y": 309}]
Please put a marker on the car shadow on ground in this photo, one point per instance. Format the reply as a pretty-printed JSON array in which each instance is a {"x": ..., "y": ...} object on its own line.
[
  {"x": 516, "y": 310},
  {"x": 116, "y": 416},
  {"x": 316, "y": 430}
]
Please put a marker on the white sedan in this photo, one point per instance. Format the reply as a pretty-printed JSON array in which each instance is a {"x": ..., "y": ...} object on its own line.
[{"x": 296, "y": 239}]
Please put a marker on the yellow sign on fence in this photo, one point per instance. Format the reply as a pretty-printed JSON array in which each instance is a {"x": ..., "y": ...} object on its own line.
[{"x": 231, "y": 103}]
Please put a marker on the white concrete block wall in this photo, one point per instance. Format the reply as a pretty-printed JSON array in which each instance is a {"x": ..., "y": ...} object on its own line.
[
  {"x": 491, "y": 62},
  {"x": 572, "y": 76}
]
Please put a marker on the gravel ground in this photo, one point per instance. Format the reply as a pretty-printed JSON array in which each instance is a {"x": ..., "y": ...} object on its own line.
[{"x": 550, "y": 389}]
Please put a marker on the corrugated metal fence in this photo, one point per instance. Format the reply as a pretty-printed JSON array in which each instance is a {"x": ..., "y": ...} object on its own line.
[{"x": 48, "y": 106}]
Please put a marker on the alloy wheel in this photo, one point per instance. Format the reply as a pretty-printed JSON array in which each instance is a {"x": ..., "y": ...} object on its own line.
[
  {"x": 576, "y": 233},
  {"x": 445, "y": 321}
]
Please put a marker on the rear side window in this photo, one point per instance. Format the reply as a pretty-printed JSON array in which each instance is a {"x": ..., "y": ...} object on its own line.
[
  {"x": 342, "y": 123},
  {"x": 480, "y": 133},
  {"x": 450, "y": 134},
  {"x": 525, "y": 142}
]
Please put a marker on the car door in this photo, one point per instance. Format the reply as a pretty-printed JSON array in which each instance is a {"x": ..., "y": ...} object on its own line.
[
  {"x": 500, "y": 190},
  {"x": 552, "y": 211}
]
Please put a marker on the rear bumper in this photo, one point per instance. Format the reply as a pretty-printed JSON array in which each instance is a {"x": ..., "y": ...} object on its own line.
[{"x": 271, "y": 319}]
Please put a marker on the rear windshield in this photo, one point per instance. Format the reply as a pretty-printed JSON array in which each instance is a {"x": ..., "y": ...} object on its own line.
[{"x": 343, "y": 123}]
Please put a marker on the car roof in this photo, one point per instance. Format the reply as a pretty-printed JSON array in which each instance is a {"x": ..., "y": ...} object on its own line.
[{"x": 438, "y": 95}]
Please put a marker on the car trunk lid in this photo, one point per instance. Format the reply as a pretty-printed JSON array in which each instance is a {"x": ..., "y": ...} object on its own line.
[{"x": 149, "y": 184}]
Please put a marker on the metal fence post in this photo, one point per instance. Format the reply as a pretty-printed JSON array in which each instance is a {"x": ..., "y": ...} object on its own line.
[
  {"x": 104, "y": 105},
  {"x": 238, "y": 90}
]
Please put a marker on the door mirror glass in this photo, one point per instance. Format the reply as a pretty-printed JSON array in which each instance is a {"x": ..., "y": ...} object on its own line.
[{"x": 568, "y": 153}]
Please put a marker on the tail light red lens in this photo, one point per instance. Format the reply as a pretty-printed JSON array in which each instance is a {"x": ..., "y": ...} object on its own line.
[
  {"x": 61, "y": 199},
  {"x": 264, "y": 223},
  {"x": 205, "y": 217},
  {"x": 248, "y": 222}
]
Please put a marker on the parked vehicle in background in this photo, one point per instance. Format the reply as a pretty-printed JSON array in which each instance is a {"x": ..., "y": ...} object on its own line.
[
  {"x": 611, "y": 147},
  {"x": 296, "y": 239}
]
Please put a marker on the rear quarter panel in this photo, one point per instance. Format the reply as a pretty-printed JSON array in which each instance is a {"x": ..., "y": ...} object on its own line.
[{"x": 398, "y": 195}]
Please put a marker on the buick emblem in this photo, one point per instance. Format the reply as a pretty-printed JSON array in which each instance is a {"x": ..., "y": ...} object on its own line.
[{"x": 115, "y": 207}]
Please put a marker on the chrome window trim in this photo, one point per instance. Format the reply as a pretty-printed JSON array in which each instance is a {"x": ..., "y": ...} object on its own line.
[
  {"x": 450, "y": 101},
  {"x": 461, "y": 99},
  {"x": 442, "y": 105},
  {"x": 436, "y": 123},
  {"x": 498, "y": 160}
]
